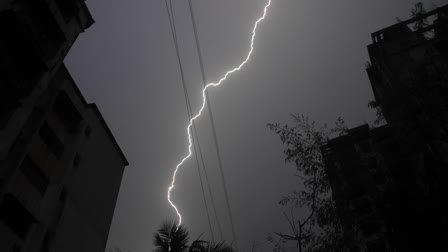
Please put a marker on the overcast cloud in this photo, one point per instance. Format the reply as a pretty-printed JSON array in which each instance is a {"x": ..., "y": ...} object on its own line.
[{"x": 309, "y": 58}]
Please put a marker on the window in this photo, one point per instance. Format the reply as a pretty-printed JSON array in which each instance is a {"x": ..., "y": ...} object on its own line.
[
  {"x": 67, "y": 112},
  {"x": 46, "y": 242},
  {"x": 6, "y": 109},
  {"x": 15, "y": 216},
  {"x": 34, "y": 175},
  {"x": 76, "y": 160},
  {"x": 88, "y": 131},
  {"x": 63, "y": 195},
  {"x": 51, "y": 140}
]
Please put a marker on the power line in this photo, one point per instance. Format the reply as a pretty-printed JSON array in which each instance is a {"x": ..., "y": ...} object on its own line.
[
  {"x": 170, "y": 13},
  {"x": 212, "y": 121},
  {"x": 195, "y": 131},
  {"x": 189, "y": 110}
]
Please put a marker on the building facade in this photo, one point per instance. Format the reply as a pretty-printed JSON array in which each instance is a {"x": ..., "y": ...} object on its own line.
[
  {"x": 409, "y": 78},
  {"x": 389, "y": 183},
  {"x": 60, "y": 166},
  {"x": 357, "y": 171}
]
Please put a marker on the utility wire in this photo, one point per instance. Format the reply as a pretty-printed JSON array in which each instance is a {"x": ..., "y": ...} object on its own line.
[
  {"x": 189, "y": 111},
  {"x": 197, "y": 136},
  {"x": 170, "y": 13},
  {"x": 215, "y": 138}
]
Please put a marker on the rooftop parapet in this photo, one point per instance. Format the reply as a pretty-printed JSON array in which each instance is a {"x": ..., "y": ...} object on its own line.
[{"x": 408, "y": 26}]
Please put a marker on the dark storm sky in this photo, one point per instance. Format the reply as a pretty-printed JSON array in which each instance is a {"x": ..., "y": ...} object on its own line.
[{"x": 309, "y": 58}]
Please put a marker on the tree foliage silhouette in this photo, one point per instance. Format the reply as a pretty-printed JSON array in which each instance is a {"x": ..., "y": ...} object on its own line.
[
  {"x": 171, "y": 238},
  {"x": 321, "y": 228},
  {"x": 417, "y": 12}
]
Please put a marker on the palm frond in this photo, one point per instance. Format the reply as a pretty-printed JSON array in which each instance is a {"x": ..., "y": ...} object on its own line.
[{"x": 171, "y": 238}]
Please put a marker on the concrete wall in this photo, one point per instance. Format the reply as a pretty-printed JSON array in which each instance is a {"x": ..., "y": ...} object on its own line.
[
  {"x": 74, "y": 210},
  {"x": 93, "y": 186}
]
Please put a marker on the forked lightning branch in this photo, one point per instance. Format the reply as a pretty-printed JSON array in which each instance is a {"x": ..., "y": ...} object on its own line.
[{"x": 203, "y": 106}]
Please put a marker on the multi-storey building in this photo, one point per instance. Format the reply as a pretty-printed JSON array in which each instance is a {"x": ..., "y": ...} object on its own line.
[
  {"x": 396, "y": 190},
  {"x": 355, "y": 165},
  {"x": 409, "y": 78},
  {"x": 60, "y": 166},
  {"x": 409, "y": 64}
]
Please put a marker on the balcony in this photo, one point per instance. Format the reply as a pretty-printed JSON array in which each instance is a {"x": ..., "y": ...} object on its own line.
[{"x": 430, "y": 25}]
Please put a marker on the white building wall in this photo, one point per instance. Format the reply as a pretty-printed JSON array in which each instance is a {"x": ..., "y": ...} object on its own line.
[
  {"x": 92, "y": 187},
  {"x": 75, "y": 233}
]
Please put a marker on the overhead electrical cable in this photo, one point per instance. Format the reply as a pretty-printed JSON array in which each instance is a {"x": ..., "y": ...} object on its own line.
[
  {"x": 170, "y": 13},
  {"x": 212, "y": 121},
  {"x": 202, "y": 107},
  {"x": 174, "y": 32}
]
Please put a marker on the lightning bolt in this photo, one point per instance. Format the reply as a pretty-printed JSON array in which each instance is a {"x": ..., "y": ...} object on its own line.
[{"x": 203, "y": 106}]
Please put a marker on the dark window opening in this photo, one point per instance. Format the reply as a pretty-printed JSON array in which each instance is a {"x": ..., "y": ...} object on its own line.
[
  {"x": 15, "y": 216},
  {"x": 63, "y": 195},
  {"x": 46, "y": 243},
  {"x": 34, "y": 175},
  {"x": 67, "y": 112},
  {"x": 51, "y": 140},
  {"x": 77, "y": 160},
  {"x": 6, "y": 112},
  {"x": 32, "y": 120},
  {"x": 88, "y": 131}
]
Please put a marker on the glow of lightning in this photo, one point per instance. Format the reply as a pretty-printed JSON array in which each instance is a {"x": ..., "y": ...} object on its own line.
[{"x": 203, "y": 106}]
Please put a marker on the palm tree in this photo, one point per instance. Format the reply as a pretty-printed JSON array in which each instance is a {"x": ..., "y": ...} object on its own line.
[{"x": 170, "y": 238}]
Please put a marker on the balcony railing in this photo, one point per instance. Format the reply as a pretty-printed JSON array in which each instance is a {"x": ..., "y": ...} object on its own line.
[{"x": 431, "y": 16}]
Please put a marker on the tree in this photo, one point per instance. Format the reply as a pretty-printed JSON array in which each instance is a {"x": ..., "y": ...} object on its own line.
[
  {"x": 417, "y": 12},
  {"x": 170, "y": 238},
  {"x": 321, "y": 228}
]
